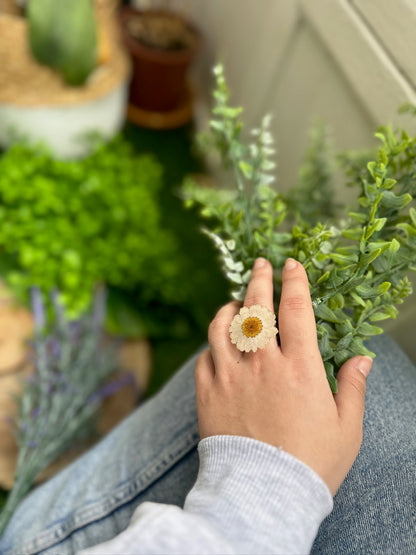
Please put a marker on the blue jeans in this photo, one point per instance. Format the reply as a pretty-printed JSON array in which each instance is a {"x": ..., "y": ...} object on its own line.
[{"x": 152, "y": 456}]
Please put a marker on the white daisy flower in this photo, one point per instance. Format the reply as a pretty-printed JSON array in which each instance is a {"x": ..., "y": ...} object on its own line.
[{"x": 252, "y": 328}]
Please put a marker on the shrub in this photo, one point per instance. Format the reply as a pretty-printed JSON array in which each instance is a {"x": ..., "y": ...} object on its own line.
[{"x": 70, "y": 225}]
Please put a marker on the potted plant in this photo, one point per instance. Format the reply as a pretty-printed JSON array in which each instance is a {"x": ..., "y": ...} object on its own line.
[
  {"x": 162, "y": 45},
  {"x": 63, "y": 75}
]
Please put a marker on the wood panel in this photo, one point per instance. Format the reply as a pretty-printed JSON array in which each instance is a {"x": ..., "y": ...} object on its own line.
[
  {"x": 374, "y": 76},
  {"x": 394, "y": 24}
]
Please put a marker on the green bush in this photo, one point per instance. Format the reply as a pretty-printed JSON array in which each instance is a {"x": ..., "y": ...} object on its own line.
[{"x": 70, "y": 225}]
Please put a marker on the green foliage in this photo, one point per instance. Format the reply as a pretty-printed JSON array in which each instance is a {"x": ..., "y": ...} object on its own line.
[
  {"x": 313, "y": 196},
  {"x": 356, "y": 265},
  {"x": 71, "y": 225},
  {"x": 63, "y": 35}
]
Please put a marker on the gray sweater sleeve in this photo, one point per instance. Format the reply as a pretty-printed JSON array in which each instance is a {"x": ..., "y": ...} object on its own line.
[{"x": 249, "y": 497}]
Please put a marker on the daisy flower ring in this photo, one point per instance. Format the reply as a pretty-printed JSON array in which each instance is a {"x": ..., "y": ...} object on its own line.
[{"x": 252, "y": 328}]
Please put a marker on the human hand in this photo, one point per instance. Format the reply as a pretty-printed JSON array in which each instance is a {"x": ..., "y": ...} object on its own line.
[{"x": 280, "y": 395}]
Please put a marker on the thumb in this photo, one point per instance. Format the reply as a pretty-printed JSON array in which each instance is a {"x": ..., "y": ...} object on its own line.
[{"x": 351, "y": 390}]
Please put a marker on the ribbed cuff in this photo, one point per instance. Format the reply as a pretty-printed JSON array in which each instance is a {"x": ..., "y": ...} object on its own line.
[{"x": 265, "y": 499}]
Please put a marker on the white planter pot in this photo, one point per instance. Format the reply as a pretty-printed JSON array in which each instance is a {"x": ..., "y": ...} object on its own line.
[{"x": 63, "y": 129}]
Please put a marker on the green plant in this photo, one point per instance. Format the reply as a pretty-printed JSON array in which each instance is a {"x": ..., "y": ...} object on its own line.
[
  {"x": 63, "y": 35},
  {"x": 71, "y": 361},
  {"x": 71, "y": 225},
  {"x": 356, "y": 265},
  {"x": 313, "y": 195}
]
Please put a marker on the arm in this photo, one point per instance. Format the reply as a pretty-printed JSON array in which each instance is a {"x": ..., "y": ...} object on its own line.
[{"x": 275, "y": 443}]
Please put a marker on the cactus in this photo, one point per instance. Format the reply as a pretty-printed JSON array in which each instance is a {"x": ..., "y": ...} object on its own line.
[{"x": 63, "y": 35}]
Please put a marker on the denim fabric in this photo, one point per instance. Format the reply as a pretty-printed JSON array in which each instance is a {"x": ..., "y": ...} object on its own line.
[
  {"x": 152, "y": 456},
  {"x": 375, "y": 508}
]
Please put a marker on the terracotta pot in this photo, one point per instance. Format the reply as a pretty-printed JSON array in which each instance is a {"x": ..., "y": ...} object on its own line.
[{"x": 159, "y": 76}]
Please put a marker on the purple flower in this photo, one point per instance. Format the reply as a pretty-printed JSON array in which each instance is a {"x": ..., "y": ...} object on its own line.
[
  {"x": 38, "y": 308},
  {"x": 112, "y": 387},
  {"x": 35, "y": 412},
  {"x": 55, "y": 347}
]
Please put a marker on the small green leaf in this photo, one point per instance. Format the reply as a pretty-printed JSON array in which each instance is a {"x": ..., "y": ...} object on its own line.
[
  {"x": 323, "y": 312},
  {"x": 377, "y": 316},
  {"x": 345, "y": 341},
  {"x": 324, "y": 277},
  {"x": 393, "y": 201},
  {"x": 368, "y": 258},
  {"x": 344, "y": 260},
  {"x": 359, "y": 217},
  {"x": 246, "y": 168},
  {"x": 367, "y": 329},
  {"x": 333, "y": 384},
  {"x": 358, "y": 348},
  {"x": 366, "y": 291},
  {"x": 377, "y": 225},
  {"x": 354, "y": 233},
  {"x": 341, "y": 356},
  {"x": 371, "y": 166}
]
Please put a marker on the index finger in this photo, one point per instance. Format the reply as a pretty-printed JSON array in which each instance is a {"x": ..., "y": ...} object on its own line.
[
  {"x": 297, "y": 326},
  {"x": 260, "y": 289},
  {"x": 258, "y": 325}
]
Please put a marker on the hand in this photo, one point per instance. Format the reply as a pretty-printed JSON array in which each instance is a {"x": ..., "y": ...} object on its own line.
[{"x": 280, "y": 395}]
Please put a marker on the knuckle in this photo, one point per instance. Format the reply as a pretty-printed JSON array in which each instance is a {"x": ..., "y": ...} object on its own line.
[
  {"x": 227, "y": 380},
  {"x": 254, "y": 295},
  {"x": 357, "y": 384},
  {"x": 216, "y": 327},
  {"x": 223, "y": 317},
  {"x": 202, "y": 360},
  {"x": 295, "y": 302}
]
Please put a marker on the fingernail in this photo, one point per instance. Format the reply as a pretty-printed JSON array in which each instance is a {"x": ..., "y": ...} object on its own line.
[
  {"x": 290, "y": 264},
  {"x": 364, "y": 365},
  {"x": 260, "y": 263}
]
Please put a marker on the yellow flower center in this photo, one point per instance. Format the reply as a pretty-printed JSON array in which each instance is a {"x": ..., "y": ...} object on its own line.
[{"x": 251, "y": 326}]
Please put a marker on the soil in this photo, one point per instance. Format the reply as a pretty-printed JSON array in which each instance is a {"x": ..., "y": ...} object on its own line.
[
  {"x": 161, "y": 31},
  {"x": 24, "y": 82}
]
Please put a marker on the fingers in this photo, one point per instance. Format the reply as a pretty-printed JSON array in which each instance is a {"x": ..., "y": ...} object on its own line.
[
  {"x": 260, "y": 288},
  {"x": 204, "y": 370},
  {"x": 259, "y": 292},
  {"x": 297, "y": 327},
  {"x": 351, "y": 391},
  {"x": 222, "y": 349}
]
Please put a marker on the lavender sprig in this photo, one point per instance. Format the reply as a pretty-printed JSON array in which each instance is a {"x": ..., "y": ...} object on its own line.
[{"x": 58, "y": 401}]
